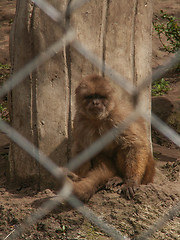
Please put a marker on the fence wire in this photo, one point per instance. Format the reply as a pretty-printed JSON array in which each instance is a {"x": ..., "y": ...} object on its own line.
[{"x": 65, "y": 193}]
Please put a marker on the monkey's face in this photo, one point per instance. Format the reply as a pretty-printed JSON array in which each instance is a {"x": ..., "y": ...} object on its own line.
[
  {"x": 94, "y": 98},
  {"x": 96, "y": 106}
]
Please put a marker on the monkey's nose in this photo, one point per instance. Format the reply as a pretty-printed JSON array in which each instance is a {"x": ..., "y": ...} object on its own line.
[{"x": 96, "y": 102}]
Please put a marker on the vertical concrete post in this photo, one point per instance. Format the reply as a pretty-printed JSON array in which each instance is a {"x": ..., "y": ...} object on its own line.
[{"x": 42, "y": 107}]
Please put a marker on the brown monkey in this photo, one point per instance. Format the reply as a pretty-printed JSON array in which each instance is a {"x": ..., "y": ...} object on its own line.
[{"x": 128, "y": 158}]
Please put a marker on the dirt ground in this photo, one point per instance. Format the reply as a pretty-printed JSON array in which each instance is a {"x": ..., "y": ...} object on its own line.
[{"x": 130, "y": 217}]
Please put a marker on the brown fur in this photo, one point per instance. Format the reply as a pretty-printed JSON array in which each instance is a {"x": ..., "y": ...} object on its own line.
[{"x": 127, "y": 158}]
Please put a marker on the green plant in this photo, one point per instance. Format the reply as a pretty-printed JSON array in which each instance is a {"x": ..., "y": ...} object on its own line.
[
  {"x": 170, "y": 28},
  {"x": 4, "y": 72},
  {"x": 4, "y": 114},
  {"x": 4, "y": 66},
  {"x": 160, "y": 87}
]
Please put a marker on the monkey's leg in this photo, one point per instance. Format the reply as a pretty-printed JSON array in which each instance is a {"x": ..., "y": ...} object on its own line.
[
  {"x": 94, "y": 180},
  {"x": 83, "y": 170}
]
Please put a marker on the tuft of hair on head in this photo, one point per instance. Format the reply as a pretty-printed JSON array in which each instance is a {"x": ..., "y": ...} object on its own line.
[{"x": 96, "y": 84}]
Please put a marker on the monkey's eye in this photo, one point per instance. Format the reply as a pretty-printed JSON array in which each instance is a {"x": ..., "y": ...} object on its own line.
[
  {"x": 95, "y": 96},
  {"x": 89, "y": 97},
  {"x": 101, "y": 97}
]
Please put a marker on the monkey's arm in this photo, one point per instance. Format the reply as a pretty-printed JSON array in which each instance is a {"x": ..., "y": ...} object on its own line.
[
  {"x": 94, "y": 180},
  {"x": 136, "y": 168}
]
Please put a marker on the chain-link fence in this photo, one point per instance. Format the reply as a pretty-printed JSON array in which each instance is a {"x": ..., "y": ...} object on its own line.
[{"x": 65, "y": 192}]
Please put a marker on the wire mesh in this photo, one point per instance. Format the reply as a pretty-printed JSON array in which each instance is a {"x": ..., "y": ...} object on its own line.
[{"x": 69, "y": 38}]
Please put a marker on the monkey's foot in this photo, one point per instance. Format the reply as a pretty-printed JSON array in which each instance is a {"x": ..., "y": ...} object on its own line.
[
  {"x": 114, "y": 184},
  {"x": 83, "y": 191},
  {"x": 128, "y": 189},
  {"x": 74, "y": 177}
]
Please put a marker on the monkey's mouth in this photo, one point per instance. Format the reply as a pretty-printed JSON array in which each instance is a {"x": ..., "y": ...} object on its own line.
[
  {"x": 96, "y": 109},
  {"x": 96, "y": 112}
]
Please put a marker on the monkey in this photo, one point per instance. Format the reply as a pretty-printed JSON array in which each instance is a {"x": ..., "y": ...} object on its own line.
[{"x": 127, "y": 161}]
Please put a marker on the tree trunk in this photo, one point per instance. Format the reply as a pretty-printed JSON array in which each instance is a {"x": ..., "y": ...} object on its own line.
[{"x": 42, "y": 106}]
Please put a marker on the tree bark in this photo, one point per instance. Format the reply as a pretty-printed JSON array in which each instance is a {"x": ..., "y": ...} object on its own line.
[{"x": 42, "y": 106}]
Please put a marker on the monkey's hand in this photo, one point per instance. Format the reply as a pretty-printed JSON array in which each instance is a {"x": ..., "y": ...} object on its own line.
[
  {"x": 114, "y": 183},
  {"x": 128, "y": 189}
]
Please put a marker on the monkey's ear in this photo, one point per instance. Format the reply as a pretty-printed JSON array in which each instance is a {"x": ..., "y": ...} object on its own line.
[
  {"x": 83, "y": 85},
  {"x": 81, "y": 88}
]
